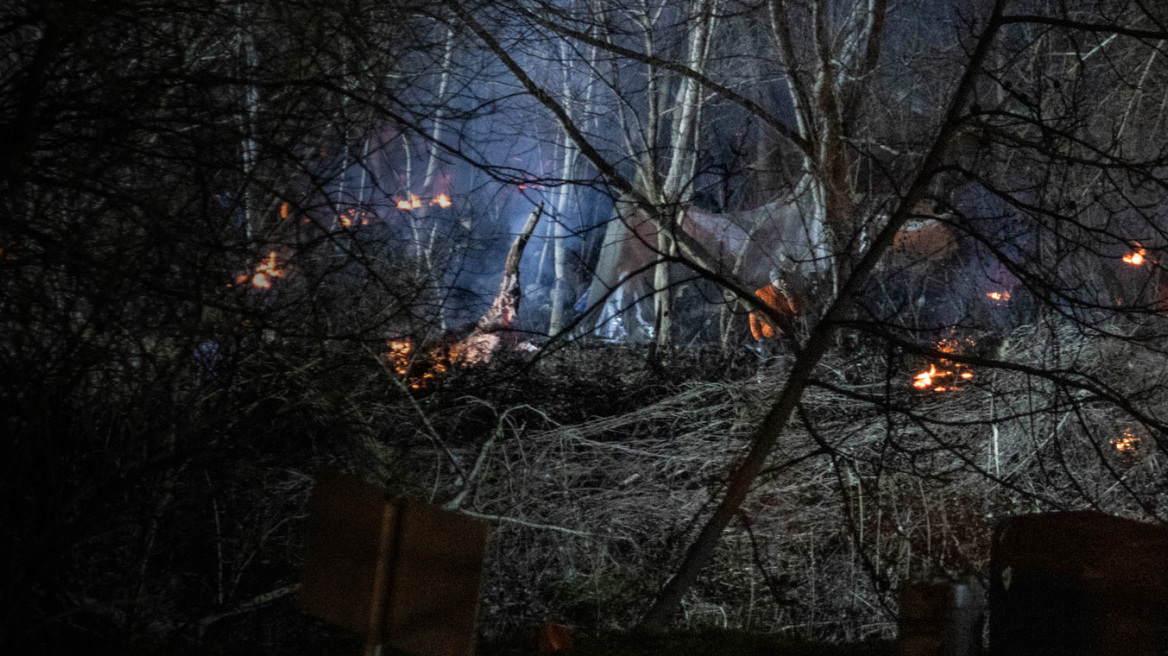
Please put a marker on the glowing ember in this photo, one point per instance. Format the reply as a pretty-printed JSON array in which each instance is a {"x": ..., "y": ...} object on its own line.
[
  {"x": 999, "y": 296},
  {"x": 346, "y": 221},
  {"x": 284, "y": 210},
  {"x": 441, "y": 200},
  {"x": 1136, "y": 258},
  {"x": 399, "y": 356},
  {"x": 417, "y": 371},
  {"x": 265, "y": 271},
  {"x": 1127, "y": 442},
  {"x": 924, "y": 380},
  {"x": 412, "y": 203},
  {"x": 943, "y": 376}
]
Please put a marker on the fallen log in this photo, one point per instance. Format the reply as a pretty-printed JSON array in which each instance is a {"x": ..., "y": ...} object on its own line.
[{"x": 484, "y": 342}]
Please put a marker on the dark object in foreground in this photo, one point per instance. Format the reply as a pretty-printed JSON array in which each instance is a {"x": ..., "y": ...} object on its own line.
[
  {"x": 942, "y": 619},
  {"x": 553, "y": 638},
  {"x": 702, "y": 642},
  {"x": 1079, "y": 584},
  {"x": 404, "y": 572}
]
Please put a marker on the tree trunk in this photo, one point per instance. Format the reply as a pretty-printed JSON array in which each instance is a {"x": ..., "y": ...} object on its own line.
[
  {"x": 677, "y": 186},
  {"x": 662, "y": 300},
  {"x": 251, "y": 112}
]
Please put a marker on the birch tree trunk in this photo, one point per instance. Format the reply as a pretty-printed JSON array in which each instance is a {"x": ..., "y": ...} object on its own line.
[
  {"x": 568, "y": 153},
  {"x": 677, "y": 185},
  {"x": 251, "y": 113},
  {"x": 826, "y": 87},
  {"x": 559, "y": 242},
  {"x": 432, "y": 163}
]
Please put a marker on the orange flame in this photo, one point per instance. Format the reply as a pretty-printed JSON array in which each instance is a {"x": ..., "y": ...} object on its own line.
[
  {"x": 924, "y": 380},
  {"x": 418, "y": 372},
  {"x": 999, "y": 296},
  {"x": 1136, "y": 258},
  {"x": 932, "y": 379},
  {"x": 441, "y": 200},
  {"x": 1127, "y": 442},
  {"x": 265, "y": 271},
  {"x": 412, "y": 203},
  {"x": 399, "y": 356},
  {"x": 284, "y": 210}
]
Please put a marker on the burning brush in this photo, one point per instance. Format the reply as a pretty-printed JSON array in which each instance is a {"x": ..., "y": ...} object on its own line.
[
  {"x": 418, "y": 371},
  {"x": 946, "y": 375},
  {"x": 1129, "y": 442},
  {"x": 1138, "y": 255},
  {"x": 486, "y": 339},
  {"x": 264, "y": 272}
]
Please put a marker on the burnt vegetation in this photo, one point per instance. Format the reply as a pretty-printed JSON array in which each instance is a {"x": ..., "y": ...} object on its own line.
[{"x": 244, "y": 242}]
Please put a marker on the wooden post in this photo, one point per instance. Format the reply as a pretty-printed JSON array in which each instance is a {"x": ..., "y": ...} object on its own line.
[
  {"x": 381, "y": 568},
  {"x": 401, "y": 572}
]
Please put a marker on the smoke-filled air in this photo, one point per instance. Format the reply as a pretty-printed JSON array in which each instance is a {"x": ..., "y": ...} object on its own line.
[{"x": 584, "y": 327}]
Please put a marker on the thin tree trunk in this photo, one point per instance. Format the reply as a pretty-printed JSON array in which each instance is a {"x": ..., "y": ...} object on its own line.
[
  {"x": 568, "y": 154},
  {"x": 678, "y": 179},
  {"x": 559, "y": 245},
  {"x": 432, "y": 163},
  {"x": 251, "y": 112}
]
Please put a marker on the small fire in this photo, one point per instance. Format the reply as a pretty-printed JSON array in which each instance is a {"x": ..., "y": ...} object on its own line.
[
  {"x": 285, "y": 209},
  {"x": 441, "y": 200},
  {"x": 1127, "y": 442},
  {"x": 945, "y": 378},
  {"x": 417, "y": 371},
  {"x": 265, "y": 271},
  {"x": 412, "y": 203},
  {"x": 999, "y": 296},
  {"x": 399, "y": 356},
  {"x": 924, "y": 380},
  {"x": 1136, "y": 258},
  {"x": 349, "y": 218}
]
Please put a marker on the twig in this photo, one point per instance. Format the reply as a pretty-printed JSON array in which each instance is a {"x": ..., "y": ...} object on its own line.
[
  {"x": 250, "y": 605},
  {"x": 544, "y": 527}
]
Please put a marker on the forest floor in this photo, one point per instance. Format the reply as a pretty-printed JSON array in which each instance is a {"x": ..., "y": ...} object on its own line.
[{"x": 596, "y": 465}]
